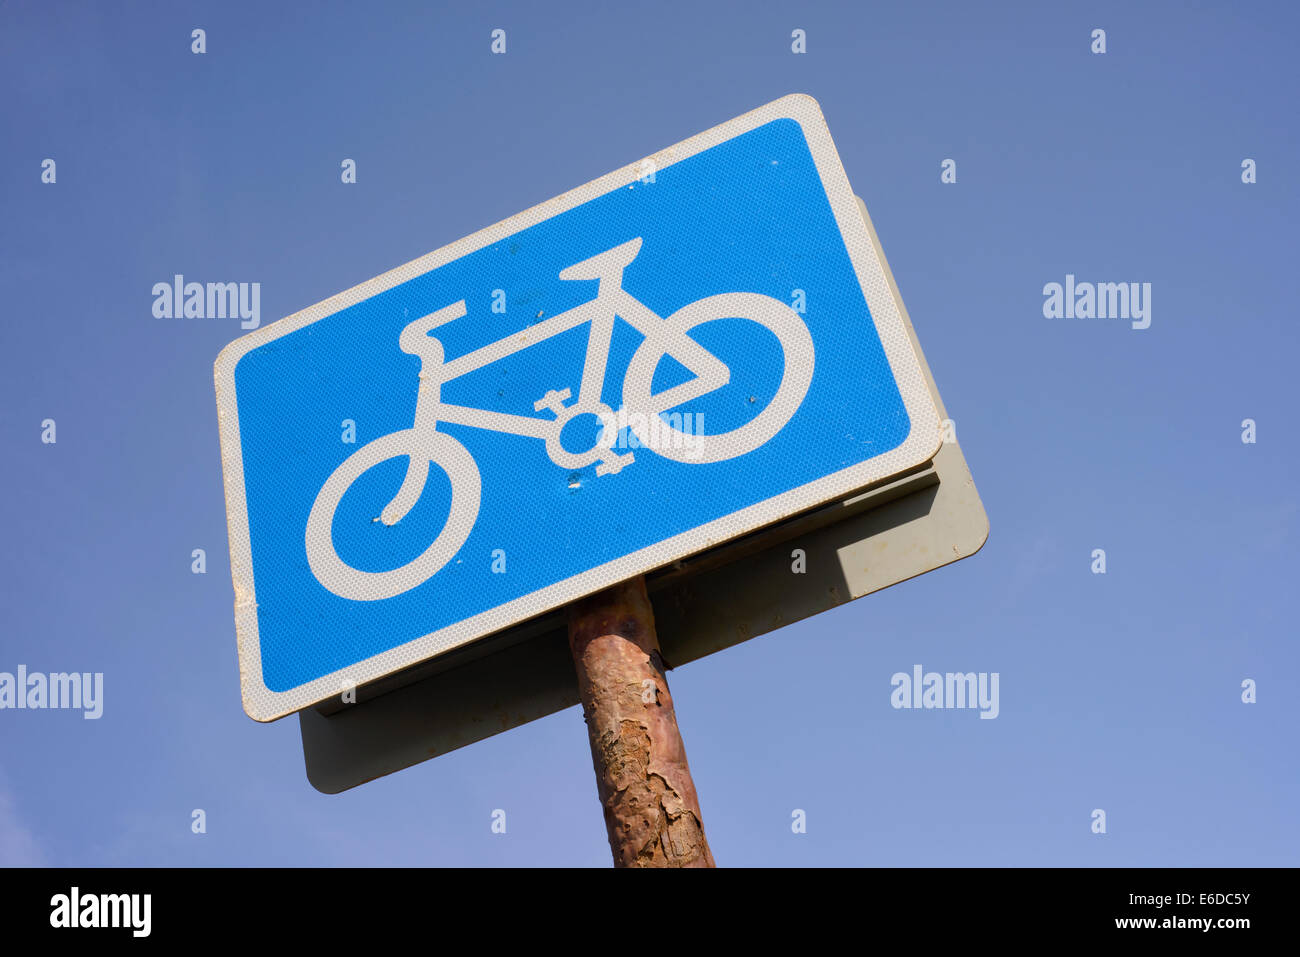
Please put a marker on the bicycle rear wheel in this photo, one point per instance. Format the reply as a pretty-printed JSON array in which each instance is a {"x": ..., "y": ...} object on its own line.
[{"x": 797, "y": 349}]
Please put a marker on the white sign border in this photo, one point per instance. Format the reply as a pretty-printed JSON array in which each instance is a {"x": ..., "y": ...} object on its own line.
[{"x": 921, "y": 444}]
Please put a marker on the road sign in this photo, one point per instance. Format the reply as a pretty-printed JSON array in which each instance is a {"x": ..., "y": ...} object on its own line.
[
  {"x": 676, "y": 355},
  {"x": 917, "y": 523}
]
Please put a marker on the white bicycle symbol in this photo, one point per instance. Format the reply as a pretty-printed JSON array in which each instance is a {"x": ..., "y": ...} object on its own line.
[{"x": 423, "y": 444}]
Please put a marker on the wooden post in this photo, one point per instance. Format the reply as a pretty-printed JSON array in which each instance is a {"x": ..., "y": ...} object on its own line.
[{"x": 652, "y": 812}]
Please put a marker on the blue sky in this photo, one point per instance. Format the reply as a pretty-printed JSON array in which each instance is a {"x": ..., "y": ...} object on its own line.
[{"x": 1119, "y": 691}]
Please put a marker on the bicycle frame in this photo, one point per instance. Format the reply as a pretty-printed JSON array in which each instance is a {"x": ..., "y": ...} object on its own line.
[{"x": 611, "y": 301}]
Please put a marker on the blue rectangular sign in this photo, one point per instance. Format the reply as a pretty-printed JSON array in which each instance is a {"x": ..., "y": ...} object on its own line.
[{"x": 674, "y": 355}]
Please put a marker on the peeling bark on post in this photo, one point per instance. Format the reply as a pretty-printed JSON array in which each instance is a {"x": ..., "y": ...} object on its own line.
[{"x": 652, "y": 812}]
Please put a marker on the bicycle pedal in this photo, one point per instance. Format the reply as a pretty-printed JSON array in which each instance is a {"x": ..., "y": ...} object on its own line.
[
  {"x": 553, "y": 400},
  {"x": 614, "y": 465}
]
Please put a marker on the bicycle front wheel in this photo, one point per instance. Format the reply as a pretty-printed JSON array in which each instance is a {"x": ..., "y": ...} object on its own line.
[{"x": 466, "y": 487}]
